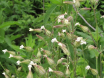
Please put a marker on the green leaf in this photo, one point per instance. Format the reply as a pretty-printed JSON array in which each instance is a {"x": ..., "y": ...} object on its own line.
[
  {"x": 2, "y": 33},
  {"x": 93, "y": 53},
  {"x": 48, "y": 13},
  {"x": 5, "y": 24}
]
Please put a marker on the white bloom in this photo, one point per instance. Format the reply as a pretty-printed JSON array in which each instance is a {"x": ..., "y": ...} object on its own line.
[
  {"x": 83, "y": 42},
  {"x": 42, "y": 49},
  {"x": 29, "y": 66},
  {"x": 42, "y": 27},
  {"x": 61, "y": 16},
  {"x": 54, "y": 40},
  {"x": 50, "y": 70},
  {"x": 77, "y": 24},
  {"x": 67, "y": 66},
  {"x": 66, "y": 21},
  {"x": 30, "y": 29},
  {"x": 31, "y": 63},
  {"x": 79, "y": 39},
  {"x": 60, "y": 44},
  {"x": 5, "y": 50},
  {"x": 63, "y": 31},
  {"x": 18, "y": 62},
  {"x": 102, "y": 16},
  {"x": 10, "y": 56},
  {"x": 21, "y": 47},
  {"x": 3, "y": 73},
  {"x": 74, "y": 1},
  {"x": 62, "y": 58},
  {"x": 59, "y": 20},
  {"x": 87, "y": 67},
  {"x": 65, "y": 13}
]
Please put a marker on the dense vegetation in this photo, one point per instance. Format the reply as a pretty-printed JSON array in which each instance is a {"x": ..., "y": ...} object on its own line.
[{"x": 51, "y": 39}]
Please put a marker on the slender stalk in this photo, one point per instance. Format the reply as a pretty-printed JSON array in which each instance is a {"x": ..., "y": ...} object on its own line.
[
  {"x": 97, "y": 66},
  {"x": 100, "y": 67}
]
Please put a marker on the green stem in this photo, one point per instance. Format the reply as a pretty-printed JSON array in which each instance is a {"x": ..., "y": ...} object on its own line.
[{"x": 97, "y": 66}]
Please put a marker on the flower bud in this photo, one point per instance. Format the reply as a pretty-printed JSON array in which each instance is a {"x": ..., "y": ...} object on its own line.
[
  {"x": 29, "y": 49},
  {"x": 68, "y": 2},
  {"x": 13, "y": 76},
  {"x": 18, "y": 57},
  {"x": 85, "y": 8},
  {"x": 40, "y": 37},
  {"x": 11, "y": 52},
  {"x": 41, "y": 70},
  {"x": 61, "y": 34},
  {"x": 30, "y": 75},
  {"x": 39, "y": 53},
  {"x": 67, "y": 71},
  {"x": 58, "y": 26},
  {"x": 7, "y": 71},
  {"x": 70, "y": 18},
  {"x": 59, "y": 73},
  {"x": 27, "y": 61},
  {"x": 37, "y": 60},
  {"x": 84, "y": 28},
  {"x": 91, "y": 47},
  {"x": 50, "y": 61},
  {"x": 60, "y": 61},
  {"x": 19, "y": 69},
  {"x": 38, "y": 30},
  {"x": 48, "y": 53},
  {"x": 94, "y": 71},
  {"x": 77, "y": 43},
  {"x": 77, "y": 3},
  {"x": 94, "y": 2},
  {"x": 48, "y": 33}
]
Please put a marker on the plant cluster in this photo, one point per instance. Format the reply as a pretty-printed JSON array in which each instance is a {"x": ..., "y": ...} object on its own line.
[{"x": 66, "y": 46}]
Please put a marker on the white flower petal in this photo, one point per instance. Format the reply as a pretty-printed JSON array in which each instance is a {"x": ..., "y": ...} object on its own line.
[
  {"x": 77, "y": 24},
  {"x": 30, "y": 29},
  {"x": 31, "y": 63},
  {"x": 50, "y": 70},
  {"x": 54, "y": 40},
  {"x": 63, "y": 31},
  {"x": 87, "y": 67},
  {"x": 3, "y": 73},
  {"x": 5, "y": 50},
  {"x": 10, "y": 56},
  {"x": 42, "y": 27},
  {"x": 21, "y": 47},
  {"x": 18, "y": 62},
  {"x": 60, "y": 44},
  {"x": 29, "y": 66}
]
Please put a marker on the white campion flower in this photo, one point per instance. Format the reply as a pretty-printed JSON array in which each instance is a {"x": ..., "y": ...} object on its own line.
[
  {"x": 50, "y": 70},
  {"x": 61, "y": 16},
  {"x": 87, "y": 67},
  {"x": 18, "y": 62},
  {"x": 77, "y": 24},
  {"x": 79, "y": 39},
  {"x": 59, "y": 20},
  {"x": 30, "y": 29},
  {"x": 29, "y": 66},
  {"x": 42, "y": 27},
  {"x": 83, "y": 42},
  {"x": 54, "y": 40},
  {"x": 31, "y": 63},
  {"x": 5, "y": 50},
  {"x": 60, "y": 44},
  {"x": 10, "y": 56},
  {"x": 3, "y": 73},
  {"x": 21, "y": 47},
  {"x": 66, "y": 21},
  {"x": 74, "y": 1},
  {"x": 63, "y": 31},
  {"x": 102, "y": 16}
]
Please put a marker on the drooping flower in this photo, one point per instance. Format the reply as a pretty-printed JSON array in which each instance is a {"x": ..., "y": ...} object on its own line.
[
  {"x": 42, "y": 27},
  {"x": 32, "y": 63},
  {"x": 3, "y": 73},
  {"x": 87, "y": 67},
  {"x": 18, "y": 62},
  {"x": 54, "y": 40},
  {"x": 5, "y": 50},
  {"x": 10, "y": 56},
  {"x": 77, "y": 24},
  {"x": 50, "y": 70},
  {"x": 30, "y": 29},
  {"x": 21, "y": 47},
  {"x": 29, "y": 66}
]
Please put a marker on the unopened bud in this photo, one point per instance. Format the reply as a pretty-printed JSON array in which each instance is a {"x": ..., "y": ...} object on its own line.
[
  {"x": 7, "y": 71},
  {"x": 13, "y": 76},
  {"x": 60, "y": 61},
  {"x": 94, "y": 71},
  {"x": 18, "y": 57},
  {"x": 70, "y": 18},
  {"x": 38, "y": 30},
  {"x": 11, "y": 52},
  {"x": 61, "y": 34},
  {"x": 67, "y": 71},
  {"x": 19, "y": 69},
  {"x": 48, "y": 53},
  {"x": 39, "y": 53},
  {"x": 37, "y": 60},
  {"x": 50, "y": 61},
  {"x": 27, "y": 61},
  {"x": 84, "y": 28},
  {"x": 58, "y": 26},
  {"x": 77, "y": 3},
  {"x": 68, "y": 2},
  {"x": 94, "y": 2},
  {"x": 30, "y": 75},
  {"x": 85, "y": 8},
  {"x": 29, "y": 49},
  {"x": 59, "y": 73},
  {"x": 91, "y": 47},
  {"x": 41, "y": 70},
  {"x": 48, "y": 33}
]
